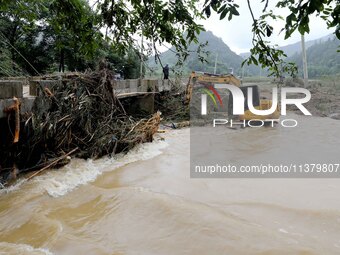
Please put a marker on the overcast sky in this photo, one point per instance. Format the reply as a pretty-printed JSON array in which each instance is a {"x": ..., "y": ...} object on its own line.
[{"x": 237, "y": 32}]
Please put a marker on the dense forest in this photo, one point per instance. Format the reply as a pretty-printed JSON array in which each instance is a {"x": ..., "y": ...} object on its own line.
[{"x": 38, "y": 37}]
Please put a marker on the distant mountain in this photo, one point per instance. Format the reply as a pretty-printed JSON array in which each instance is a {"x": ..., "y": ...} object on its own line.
[
  {"x": 226, "y": 58},
  {"x": 322, "y": 58},
  {"x": 295, "y": 48}
]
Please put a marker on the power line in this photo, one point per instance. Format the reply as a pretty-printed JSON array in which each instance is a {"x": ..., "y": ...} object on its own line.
[{"x": 4, "y": 37}]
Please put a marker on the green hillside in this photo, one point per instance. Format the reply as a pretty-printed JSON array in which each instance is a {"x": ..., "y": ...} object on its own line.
[
  {"x": 295, "y": 48},
  {"x": 322, "y": 58}
]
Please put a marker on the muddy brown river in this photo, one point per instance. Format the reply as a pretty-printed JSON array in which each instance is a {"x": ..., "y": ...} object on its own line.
[{"x": 145, "y": 203}]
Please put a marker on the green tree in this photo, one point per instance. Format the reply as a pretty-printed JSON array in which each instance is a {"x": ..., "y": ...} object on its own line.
[
  {"x": 17, "y": 19},
  {"x": 41, "y": 33},
  {"x": 157, "y": 20},
  {"x": 75, "y": 27},
  {"x": 128, "y": 64},
  {"x": 161, "y": 21}
]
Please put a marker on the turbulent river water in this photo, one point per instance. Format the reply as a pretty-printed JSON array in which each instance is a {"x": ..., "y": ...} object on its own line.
[{"x": 146, "y": 203}]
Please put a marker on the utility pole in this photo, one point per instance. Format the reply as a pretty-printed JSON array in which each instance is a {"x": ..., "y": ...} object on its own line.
[
  {"x": 215, "y": 64},
  {"x": 141, "y": 58},
  {"x": 304, "y": 61}
]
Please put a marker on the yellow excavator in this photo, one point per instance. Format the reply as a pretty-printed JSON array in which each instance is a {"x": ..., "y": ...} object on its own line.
[{"x": 208, "y": 79}]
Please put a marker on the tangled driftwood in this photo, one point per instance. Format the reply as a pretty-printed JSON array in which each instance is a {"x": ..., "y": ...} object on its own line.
[{"x": 84, "y": 113}]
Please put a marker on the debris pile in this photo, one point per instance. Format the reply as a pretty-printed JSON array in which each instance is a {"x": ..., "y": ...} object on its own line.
[
  {"x": 82, "y": 115},
  {"x": 171, "y": 103}
]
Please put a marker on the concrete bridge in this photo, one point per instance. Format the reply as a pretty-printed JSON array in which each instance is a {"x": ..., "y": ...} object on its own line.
[{"x": 26, "y": 90}]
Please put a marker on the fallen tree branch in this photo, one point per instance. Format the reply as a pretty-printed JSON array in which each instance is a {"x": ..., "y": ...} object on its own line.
[{"x": 51, "y": 164}]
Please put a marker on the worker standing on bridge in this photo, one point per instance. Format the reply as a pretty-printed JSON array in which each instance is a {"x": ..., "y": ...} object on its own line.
[{"x": 166, "y": 72}]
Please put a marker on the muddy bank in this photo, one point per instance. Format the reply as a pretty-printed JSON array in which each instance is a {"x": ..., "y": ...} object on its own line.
[
  {"x": 325, "y": 100},
  {"x": 172, "y": 106}
]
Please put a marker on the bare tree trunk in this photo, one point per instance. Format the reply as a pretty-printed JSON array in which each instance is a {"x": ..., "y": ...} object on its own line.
[{"x": 62, "y": 61}]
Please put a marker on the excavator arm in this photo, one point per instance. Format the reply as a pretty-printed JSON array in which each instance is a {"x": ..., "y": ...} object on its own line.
[{"x": 208, "y": 78}]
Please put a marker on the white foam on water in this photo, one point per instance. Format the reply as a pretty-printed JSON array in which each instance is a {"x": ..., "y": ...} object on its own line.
[
  {"x": 13, "y": 187},
  {"x": 79, "y": 172},
  {"x": 21, "y": 249},
  {"x": 59, "y": 182}
]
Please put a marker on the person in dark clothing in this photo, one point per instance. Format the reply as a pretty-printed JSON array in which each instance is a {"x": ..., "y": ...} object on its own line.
[{"x": 166, "y": 72}]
